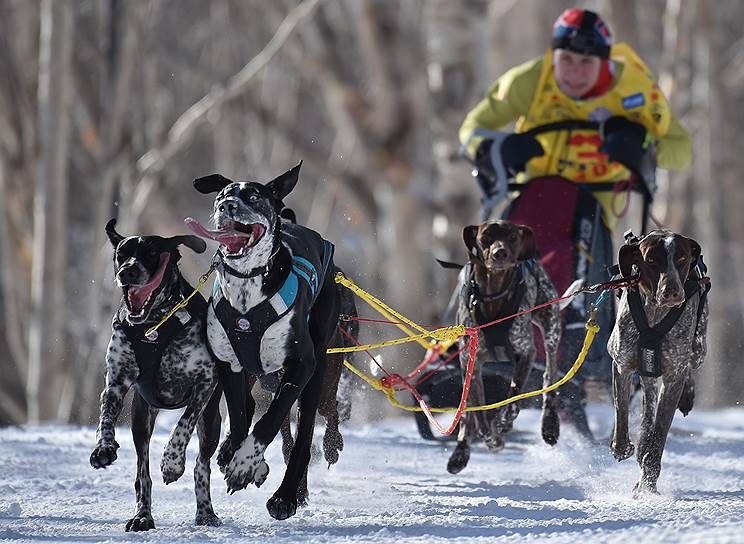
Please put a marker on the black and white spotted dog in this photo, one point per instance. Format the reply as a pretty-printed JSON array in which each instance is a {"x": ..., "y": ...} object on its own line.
[
  {"x": 660, "y": 334},
  {"x": 503, "y": 277},
  {"x": 275, "y": 306},
  {"x": 171, "y": 369}
]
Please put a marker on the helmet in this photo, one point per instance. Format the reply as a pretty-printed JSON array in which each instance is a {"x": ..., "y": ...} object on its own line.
[{"x": 582, "y": 31}]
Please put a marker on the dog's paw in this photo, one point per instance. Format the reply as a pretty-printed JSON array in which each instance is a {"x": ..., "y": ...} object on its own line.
[
  {"x": 550, "y": 426},
  {"x": 510, "y": 413},
  {"x": 459, "y": 459},
  {"x": 622, "y": 451},
  {"x": 495, "y": 442},
  {"x": 247, "y": 466},
  {"x": 207, "y": 517},
  {"x": 642, "y": 487},
  {"x": 172, "y": 466},
  {"x": 103, "y": 455},
  {"x": 140, "y": 522},
  {"x": 225, "y": 453},
  {"x": 333, "y": 444},
  {"x": 281, "y": 507}
]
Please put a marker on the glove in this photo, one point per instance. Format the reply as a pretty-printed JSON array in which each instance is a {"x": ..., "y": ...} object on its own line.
[
  {"x": 517, "y": 149},
  {"x": 623, "y": 140}
]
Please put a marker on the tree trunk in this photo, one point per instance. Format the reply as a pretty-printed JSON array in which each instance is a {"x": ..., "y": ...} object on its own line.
[{"x": 46, "y": 331}]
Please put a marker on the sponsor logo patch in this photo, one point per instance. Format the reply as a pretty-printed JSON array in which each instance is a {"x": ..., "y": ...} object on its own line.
[{"x": 633, "y": 101}]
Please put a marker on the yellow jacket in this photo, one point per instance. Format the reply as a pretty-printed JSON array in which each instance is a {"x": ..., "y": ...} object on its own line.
[{"x": 529, "y": 95}]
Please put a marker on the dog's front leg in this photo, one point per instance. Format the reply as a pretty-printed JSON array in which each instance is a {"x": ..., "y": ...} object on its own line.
[
  {"x": 143, "y": 421},
  {"x": 621, "y": 446},
  {"x": 671, "y": 390},
  {"x": 648, "y": 416},
  {"x": 237, "y": 387},
  {"x": 247, "y": 464},
  {"x": 121, "y": 371},
  {"x": 173, "y": 463}
]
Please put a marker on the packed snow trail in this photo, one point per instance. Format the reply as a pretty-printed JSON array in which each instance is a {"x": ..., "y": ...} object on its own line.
[{"x": 391, "y": 486}]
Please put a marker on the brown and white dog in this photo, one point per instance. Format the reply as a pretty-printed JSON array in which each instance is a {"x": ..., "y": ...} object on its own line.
[
  {"x": 659, "y": 333},
  {"x": 503, "y": 277}
]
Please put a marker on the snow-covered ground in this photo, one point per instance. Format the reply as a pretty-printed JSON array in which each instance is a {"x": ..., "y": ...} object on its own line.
[{"x": 391, "y": 486}]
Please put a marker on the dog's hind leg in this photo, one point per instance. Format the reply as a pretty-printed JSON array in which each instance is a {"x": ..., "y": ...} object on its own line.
[
  {"x": 671, "y": 390},
  {"x": 333, "y": 442},
  {"x": 522, "y": 367},
  {"x": 621, "y": 446},
  {"x": 143, "y": 420},
  {"x": 648, "y": 416},
  {"x": 287, "y": 438},
  {"x": 208, "y": 431},
  {"x": 173, "y": 463}
]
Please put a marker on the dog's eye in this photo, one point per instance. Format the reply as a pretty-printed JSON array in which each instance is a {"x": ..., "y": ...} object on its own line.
[
  {"x": 650, "y": 260},
  {"x": 253, "y": 198}
]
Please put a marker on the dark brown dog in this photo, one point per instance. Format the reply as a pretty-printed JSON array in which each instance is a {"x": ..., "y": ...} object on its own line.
[
  {"x": 659, "y": 333},
  {"x": 501, "y": 278}
]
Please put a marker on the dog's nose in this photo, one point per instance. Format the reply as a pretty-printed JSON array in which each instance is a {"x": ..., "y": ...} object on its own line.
[
  {"x": 128, "y": 274},
  {"x": 229, "y": 207},
  {"x": 500, "y": 254},
  {"x": 671, "y": 295}
]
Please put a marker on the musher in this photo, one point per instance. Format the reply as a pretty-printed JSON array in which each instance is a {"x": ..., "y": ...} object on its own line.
[{"x": 579, "y": 178}]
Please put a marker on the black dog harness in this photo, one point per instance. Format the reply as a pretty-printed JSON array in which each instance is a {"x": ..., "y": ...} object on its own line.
[
  {"x": 649, "y": 342},
  {"x": 497, "y": 336},
  {"x": 148, "y": 352},
  {"x": 306, "y": 271}
]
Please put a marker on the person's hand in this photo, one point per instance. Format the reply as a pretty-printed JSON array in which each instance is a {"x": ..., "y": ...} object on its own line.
[
  {"x": 623, "y": 140},
  {"x": 517, "y": 149}
]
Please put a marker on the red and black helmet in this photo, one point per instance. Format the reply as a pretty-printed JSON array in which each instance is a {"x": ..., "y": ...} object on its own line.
[{"x": 582, "y": 31}]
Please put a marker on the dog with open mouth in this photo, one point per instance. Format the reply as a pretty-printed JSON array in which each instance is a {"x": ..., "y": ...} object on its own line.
[
  {"x": 171, "y": 368},
  {"x": 275, "y": 307},
  {"x": 660, "y": 333}
]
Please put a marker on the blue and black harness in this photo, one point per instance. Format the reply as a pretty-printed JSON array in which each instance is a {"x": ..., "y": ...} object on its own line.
[{"x": 308, "y": 258}]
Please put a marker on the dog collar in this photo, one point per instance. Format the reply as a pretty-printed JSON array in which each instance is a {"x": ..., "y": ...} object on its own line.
[{"x": 260, "y": 271}]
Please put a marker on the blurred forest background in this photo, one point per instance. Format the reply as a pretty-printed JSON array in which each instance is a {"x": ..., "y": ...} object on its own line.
[{"x": 110, "y": 108}]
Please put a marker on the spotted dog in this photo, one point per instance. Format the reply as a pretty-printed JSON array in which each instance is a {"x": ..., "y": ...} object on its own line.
[
  {"x": 660, "y": 334},
  {"x": 171, "y": 368},
  {"x": 501, "y": 278},
  {"x": 275, "y": 307}
]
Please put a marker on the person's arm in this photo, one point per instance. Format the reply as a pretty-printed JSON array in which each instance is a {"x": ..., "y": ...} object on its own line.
[
  {"x": 508, "y": 99},
  {"x": 674, "y": 151}
]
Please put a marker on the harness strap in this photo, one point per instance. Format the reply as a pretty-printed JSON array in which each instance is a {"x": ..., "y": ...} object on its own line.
[
  {"x": 496, "y": 336},
  {"x": 650, "y": 338}
]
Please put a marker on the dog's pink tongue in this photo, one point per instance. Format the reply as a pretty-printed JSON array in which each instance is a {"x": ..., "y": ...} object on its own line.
[
  {"x": 233, "y": 240},
  {"x": 138, "y": 295}
]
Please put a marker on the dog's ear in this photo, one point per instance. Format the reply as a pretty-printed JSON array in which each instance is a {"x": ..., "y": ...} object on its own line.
[
  {"x": 213, "y": 183},
  {"x": 282, "y": 185},
  {"x": 289, "y": 215},
  {"x": 629, "y": 255},
  {"x": 470, "y": 237},
  {"x": 192, "y": 242},
  {"x": 114, "y": 236},
  {"x": 528, "y": 247},
  {"x": 695, "y": 251}
]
